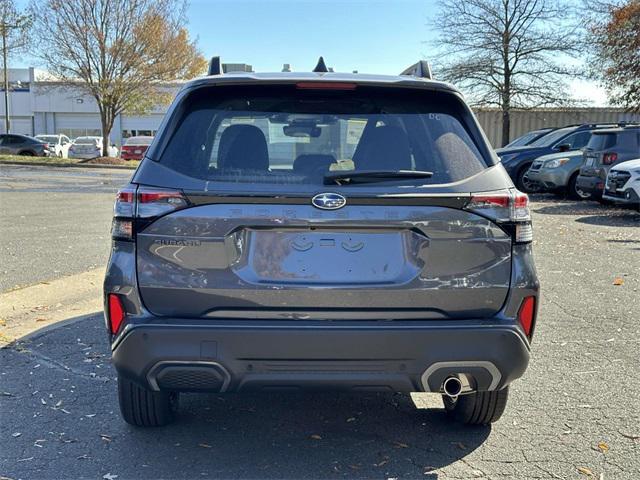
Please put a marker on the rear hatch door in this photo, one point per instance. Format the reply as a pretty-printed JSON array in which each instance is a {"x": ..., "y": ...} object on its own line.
[{"x": 296, "y": 261}]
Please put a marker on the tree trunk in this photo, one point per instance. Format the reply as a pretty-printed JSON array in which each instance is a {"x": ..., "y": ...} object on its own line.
[
  {"x": 506, "y": 126},
  {"x": 106, "y": 121}
]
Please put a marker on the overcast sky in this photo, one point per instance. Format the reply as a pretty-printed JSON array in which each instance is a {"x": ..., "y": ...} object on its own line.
[{"x": 371, "y": 36}]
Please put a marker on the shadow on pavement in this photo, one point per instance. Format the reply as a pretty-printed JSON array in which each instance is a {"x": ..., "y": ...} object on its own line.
[
  {"x": 60, "y": 395},
  {"x": 592, "y": 213}
]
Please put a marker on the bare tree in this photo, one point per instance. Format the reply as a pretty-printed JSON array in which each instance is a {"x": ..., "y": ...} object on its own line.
[
  {"x": 507, "y": 53},
  {"x": 122, "y": 52},
  {"x": 14, "y": 34}
]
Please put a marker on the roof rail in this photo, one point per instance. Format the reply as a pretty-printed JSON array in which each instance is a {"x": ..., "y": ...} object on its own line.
[
  {"x": 421, "y": 69},
  {"x": 215, "y": 67},
  {"x": 321, "y": 67}
]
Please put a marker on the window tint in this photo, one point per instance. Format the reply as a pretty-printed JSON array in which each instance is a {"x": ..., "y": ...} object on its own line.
[
  {"x": 551, "y": 138},
  {"x": 13, "y": 140},
  {"x": 577, "y": 140},
  {"x": 601, "y": 141},
  {"x": 297, "y": 137}
]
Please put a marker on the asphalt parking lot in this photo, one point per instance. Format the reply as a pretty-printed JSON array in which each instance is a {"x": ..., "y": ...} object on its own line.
[{"x": 575, "y": 413}]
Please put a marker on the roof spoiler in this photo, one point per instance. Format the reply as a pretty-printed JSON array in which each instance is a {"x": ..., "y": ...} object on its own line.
[
  {"x": 215, "y": 66},
  {"x": 421, "y": 69}
]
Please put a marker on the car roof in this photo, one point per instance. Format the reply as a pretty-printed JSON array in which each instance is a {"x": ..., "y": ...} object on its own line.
[
  {"x": 603, "y": 131},
  {"x": 280, "y": 78}
]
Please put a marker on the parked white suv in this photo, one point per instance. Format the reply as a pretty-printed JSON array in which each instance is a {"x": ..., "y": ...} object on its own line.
[
  {"x": 58, "y": 144},
  {"x": 623, "y": 183}
]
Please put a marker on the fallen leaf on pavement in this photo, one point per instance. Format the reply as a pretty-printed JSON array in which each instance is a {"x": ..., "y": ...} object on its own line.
[
  {"x": 603, "y": 447},
  {"x": 383, "y": 462},
  {"x": 105, "y": 437},
  {"x": 618, "y": 281},
  {"x": 351, "y": 419},
  {"x": 316, "y": 437},
  {"x": 400, "y": 445},
  {"x": 204, "y": 445},
  {"x": 15, "y": 435},
  {"x": 628, "y": 435},
  {"x": 585, "y": 471},
  {"x": 109, "y": 476}
]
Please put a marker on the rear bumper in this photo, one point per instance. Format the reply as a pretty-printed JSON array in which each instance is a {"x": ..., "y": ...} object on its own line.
[
  {"x": 591, "y": 185},
  {"x": 239, "y": 355}
]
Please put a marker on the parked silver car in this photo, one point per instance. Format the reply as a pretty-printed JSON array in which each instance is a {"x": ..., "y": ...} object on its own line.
[
  {"x": 558, "y": 172},
  {"x": 89, "y": 147}
]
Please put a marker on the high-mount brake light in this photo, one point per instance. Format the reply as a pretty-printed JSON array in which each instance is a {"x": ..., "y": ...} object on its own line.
[
  {"x": 507, "y": 207},
  {"x": 325, "y": 86}
]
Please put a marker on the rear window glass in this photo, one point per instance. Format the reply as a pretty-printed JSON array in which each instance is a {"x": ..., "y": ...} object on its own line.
[
  {"x": 602, "y": 141},
  {"x": 284, "y": 135},
  {"x": 139, "y": 141},
  {"x": 87, "y": 140}
]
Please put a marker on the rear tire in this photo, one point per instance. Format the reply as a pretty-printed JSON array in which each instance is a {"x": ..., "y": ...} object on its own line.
[
  {"x": 145, "y": 408},
  {"x": 479, "y": 408},
  {"x": 524, "y": 184},
  {"x": 27, "y": 153},
  {"x": 572, "y": 190}
]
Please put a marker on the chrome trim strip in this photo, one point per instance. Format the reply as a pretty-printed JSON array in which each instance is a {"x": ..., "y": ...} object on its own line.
[{"x": 496, "y": 376}]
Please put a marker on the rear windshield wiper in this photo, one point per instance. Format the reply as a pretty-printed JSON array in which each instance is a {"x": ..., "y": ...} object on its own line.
[{"x": 367, "y": 176}]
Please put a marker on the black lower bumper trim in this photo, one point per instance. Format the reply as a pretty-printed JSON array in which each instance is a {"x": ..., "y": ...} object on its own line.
[{"x": 372, "y": 356}]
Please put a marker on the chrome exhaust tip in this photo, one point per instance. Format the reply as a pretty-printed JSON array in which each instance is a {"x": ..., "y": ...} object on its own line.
[{"x": 452, "y": 387}]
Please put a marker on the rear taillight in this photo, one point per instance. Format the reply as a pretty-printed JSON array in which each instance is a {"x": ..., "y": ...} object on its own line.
[
  {"x": 135, "y": 209},
  {"x": 609, "y": 158},
  {"x": 116, "y": 313},
  {"x": 526, "y": 314},
  {"x": 507, "y": 207}
]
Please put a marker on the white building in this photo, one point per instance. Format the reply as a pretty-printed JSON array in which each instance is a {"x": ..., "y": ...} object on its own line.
[{"x": 38, "y": 105}]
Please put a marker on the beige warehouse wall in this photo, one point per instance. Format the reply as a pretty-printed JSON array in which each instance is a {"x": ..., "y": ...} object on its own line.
[{"x": 523, "y": 121}]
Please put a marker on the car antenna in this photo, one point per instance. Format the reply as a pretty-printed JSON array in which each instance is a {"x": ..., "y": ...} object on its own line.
[{"x": 321, "y": 67}]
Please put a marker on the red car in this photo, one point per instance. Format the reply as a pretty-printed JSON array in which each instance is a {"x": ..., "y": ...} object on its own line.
[{"x": 135, "y": 147}]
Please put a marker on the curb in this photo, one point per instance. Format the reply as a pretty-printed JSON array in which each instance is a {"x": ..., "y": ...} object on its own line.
[
  {"x": 48, "y": 328},
  {"x": 65, "y": 165}
]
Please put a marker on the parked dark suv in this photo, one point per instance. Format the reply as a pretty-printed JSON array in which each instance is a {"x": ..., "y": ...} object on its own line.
[
  {"x": 607, "y": 148},
  {"x": 318, "y": 231}
]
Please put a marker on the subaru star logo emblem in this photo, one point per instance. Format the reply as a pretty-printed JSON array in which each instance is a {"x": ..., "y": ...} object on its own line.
[{"x": 329, "y": 201}]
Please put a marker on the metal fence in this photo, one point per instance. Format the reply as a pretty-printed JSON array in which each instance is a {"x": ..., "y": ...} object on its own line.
[{"x": 523, "y": 121}]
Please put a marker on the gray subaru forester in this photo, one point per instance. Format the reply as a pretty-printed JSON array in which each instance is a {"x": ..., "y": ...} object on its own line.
[{"x": 320, "y": 231}]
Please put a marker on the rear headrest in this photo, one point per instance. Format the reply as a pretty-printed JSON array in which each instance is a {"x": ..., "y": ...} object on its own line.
[
  {"x": 310, "y": 164},
  {"x": 243, "y": 147},
  {"x": 385, "y": 148}
]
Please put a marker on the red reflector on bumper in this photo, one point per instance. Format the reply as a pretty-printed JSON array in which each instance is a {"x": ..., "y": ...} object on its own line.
[
  {"x": 116, "y": 313},
  {"x": 526, "y": 313}
]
